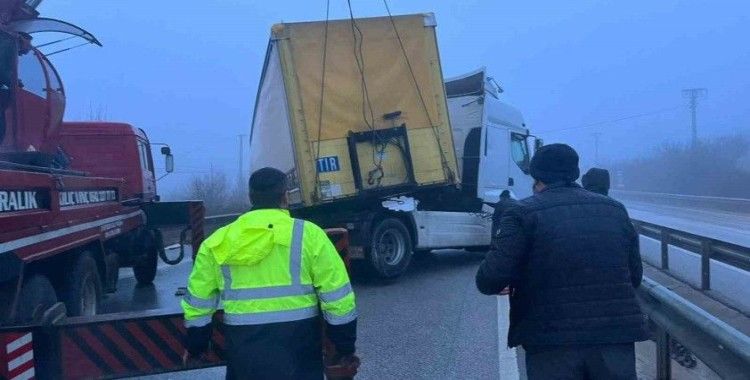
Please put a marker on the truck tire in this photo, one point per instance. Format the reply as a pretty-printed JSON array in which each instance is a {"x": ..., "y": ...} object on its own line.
[
  {"x": 391, "y": 248},
  {"x": 37, "y": 295},
  {"x": 82, "y": 290},
  {"x": 145, "y": 269}
]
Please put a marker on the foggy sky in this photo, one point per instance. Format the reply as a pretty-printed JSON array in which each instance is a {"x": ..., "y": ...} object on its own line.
[{"x": 187, "y": 71}]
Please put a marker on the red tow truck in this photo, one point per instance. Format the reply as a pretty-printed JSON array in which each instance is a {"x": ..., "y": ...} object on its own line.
[{"x": 78, "y": 200}]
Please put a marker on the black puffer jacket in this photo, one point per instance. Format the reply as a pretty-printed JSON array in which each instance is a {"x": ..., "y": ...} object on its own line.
[{"x": 572, "y": 260}]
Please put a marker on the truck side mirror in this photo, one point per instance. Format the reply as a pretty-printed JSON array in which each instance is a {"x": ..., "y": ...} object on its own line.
[
  {"x": 538, "y": 144},
  {"x": 168, "y": 162},
  {"x": 166, "y": 151}
]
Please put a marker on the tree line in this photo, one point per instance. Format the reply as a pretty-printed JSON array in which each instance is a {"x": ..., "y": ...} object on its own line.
[{"x": 712, "y": 167}]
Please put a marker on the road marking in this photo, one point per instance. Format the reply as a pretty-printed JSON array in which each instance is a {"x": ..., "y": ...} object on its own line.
[{"x": 509, "y": 358}]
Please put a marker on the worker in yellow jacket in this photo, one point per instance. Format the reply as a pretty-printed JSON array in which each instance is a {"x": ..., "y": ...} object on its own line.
[{"x": 274, "y": 276}]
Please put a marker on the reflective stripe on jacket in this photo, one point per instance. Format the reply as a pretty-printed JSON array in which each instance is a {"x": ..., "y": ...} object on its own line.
[{"x": 267, "y": 267}]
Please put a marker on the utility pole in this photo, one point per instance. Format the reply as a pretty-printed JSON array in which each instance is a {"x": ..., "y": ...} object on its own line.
[
  {"x": 241, "y": 172},
  {"x": 693, "y": 94},
  {"x": 596, "y": 135}
]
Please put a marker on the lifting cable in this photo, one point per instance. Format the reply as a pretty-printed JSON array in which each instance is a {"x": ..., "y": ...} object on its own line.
[
  {"x": 446, "y": 168},
  {"x": 376, "y": 175},
  {"x": 56, "y": 41},
  {"x": 67, "y": 49},
  {"x": 320, "y": 104}
]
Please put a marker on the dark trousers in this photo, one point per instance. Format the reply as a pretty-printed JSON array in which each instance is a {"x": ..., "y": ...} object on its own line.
[
  {"x": 275, "y": 351},
  {"x": 590, "y": 362}
]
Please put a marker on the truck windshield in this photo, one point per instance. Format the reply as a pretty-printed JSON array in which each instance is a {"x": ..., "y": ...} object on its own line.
[{"x": 520, "y": 151}]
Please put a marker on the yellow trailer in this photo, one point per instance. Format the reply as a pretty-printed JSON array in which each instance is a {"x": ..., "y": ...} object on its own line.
[{"x": 351, "y": 108}]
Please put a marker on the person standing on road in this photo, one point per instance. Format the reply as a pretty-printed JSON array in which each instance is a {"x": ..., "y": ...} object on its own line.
[
  {"x": 572, "y": 261},
  {"x": 273, "y": 274},
  {"x": 499, "y": 208},
  {"x": 596, "y": 180}
]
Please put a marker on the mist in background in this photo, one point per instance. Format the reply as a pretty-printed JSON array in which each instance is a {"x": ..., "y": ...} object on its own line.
[{"x": 187, "y": 71}]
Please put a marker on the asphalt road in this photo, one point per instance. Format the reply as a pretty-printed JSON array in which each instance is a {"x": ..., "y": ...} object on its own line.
[
  {"x": 720, "y": 225},
  {"x": 430, "y": 324}
]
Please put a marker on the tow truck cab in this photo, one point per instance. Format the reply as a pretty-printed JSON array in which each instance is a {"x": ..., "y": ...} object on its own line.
[
  {"x": 32, "y": 101},
  {"x": 113, "y": 150}
]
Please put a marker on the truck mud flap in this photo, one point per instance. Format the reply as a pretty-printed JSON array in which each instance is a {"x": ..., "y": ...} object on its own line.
[{"x": 107, "y": 347}]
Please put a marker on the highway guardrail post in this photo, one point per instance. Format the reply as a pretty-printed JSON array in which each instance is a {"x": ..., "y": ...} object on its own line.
[
  {"x": 665, "y": 249},
  {"x": 706, "y": 265},
  {"x": 663, "y": 360}
]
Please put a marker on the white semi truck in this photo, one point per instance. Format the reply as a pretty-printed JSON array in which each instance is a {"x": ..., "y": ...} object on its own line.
[{"x": 372, "y": 138}]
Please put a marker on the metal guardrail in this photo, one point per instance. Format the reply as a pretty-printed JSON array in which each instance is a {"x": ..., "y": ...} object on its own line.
[
  {"x": 223, "y": 218},
  {"x": 721, "y": 347},
  {"x": 735, "y": 205},
  {"x": 708, "y": 248}
]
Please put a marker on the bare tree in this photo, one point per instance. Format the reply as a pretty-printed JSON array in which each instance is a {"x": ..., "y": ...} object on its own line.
[
  {"x": 714, "y": 167},
  {"x": 217, "y": 195},
  {"x": 97, "y": 113}
]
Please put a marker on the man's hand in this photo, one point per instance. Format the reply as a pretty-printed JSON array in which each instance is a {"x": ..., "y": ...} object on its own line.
[{"x": 343, "y": 367}]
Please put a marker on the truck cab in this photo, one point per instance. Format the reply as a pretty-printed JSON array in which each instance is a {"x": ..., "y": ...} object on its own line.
[
  {"x": 112, "y": 150},
  {"x": 493, "y": 152},
  {"x": 32, "y": 131},
  {"x": 490, "y": 138}
]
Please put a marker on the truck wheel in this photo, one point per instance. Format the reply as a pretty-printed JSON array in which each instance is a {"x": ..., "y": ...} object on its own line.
[
  {"x": 390, "y": 251},
  {"x": 82, "y": 291},
  {"x": 145, "y": 269},
  {"x": 37, "y": 295}
]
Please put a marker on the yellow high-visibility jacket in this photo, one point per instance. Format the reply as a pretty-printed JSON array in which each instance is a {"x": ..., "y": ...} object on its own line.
[{"x": 267, "y": 267}]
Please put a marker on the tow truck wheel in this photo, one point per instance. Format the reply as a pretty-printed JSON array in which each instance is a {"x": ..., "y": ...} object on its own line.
[
  {"x": 145, "y": 270},
  {"x": 82, "y": 291},
  {"x": 37, "y": 295},
  {"x": 391, "y": 250}
]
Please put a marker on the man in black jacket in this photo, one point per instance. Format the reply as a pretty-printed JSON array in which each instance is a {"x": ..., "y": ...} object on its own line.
[
  {"x": 571, "y": 259},
  {"x": 596, "y": 180}
]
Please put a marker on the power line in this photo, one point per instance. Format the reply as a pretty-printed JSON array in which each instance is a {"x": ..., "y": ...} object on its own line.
[{"x": 596, "y": 124}]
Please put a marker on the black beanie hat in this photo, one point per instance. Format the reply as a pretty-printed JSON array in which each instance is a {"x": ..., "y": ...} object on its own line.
[
  {"x": 596, "y": 180},
  {"x": 555, "y": 163}
]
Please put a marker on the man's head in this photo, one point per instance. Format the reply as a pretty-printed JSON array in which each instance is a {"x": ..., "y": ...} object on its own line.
[
  {"x": 554, "y": 163},
  {"x": 596, "y": 180},
  {"x": 268, "y": 189}
]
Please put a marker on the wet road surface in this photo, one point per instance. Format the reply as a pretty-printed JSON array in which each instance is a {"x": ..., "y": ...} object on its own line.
[
  {"x": 430, "y": 324},
  {"x": 719, "y": 225}
]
